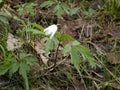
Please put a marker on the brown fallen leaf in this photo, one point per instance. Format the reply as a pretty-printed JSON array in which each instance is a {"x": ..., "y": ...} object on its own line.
[
  {"x": 13, "y": 42},
  {"x": 39, "y": 46}
]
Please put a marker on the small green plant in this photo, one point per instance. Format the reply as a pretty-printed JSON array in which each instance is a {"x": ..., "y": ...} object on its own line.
[
  {"x": 75, "y": 50},
  {"x": 90, "y": 12},
  {"x": 60, "y": 7},
  {"x": 27, "y": 7},
  {"x": 21, "y": 64}
]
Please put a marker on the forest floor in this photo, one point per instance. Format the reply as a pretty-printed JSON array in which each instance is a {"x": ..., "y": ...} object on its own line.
[{"x": 94, "y": 24}]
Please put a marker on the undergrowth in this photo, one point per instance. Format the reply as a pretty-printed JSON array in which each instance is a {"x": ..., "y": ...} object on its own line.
[{"x": 71, "y": 60}]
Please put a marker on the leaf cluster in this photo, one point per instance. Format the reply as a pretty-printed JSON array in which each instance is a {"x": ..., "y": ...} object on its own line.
[
  {"x": 20, "y": 65},
  {"x": 60, "y": 7}
]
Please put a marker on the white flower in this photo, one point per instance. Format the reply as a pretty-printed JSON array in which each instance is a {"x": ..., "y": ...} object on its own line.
[{"x": 51, "y": 30}]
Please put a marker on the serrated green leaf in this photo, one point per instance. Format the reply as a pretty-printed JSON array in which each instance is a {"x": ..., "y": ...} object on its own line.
[
  {"x": 66, "y": 49},
  {"x": 18, "y": 19},
  {"x": 65, "y": 6},
  {"x": 90, "y": 12},
  {"x": 23, "y": 55},
  {"x": 4, "y": 69},
  {"x": 4, "y": 20},
  {"x": 14, "y": 68},
  {"x": 92, "y": 62},
  {"x": 58, "y": 10},
  {"x": 83, "y": 50},
  {"x": 74, "y": 43},
  {"x": 47, "y": 4},
  {"x": 87, "y": 55},
  {"x": 30, "y": 61},
  {"x": 48, "y": 45},
  {"x": 66, "y": 37},
  {"x": 73, "y": 11},
  {"x": 24, "y": 68},
  {"x": 75, "y": 59},
  {"x": 5, "y": 14},
  {"x": 55, "y": 41},
  {"x": 23, "y": 71},
  {"x": 8, "y": 13},
  {"x": 29, "y": 8}
]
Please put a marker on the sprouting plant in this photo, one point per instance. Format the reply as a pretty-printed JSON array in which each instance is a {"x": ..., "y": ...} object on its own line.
[
  {"x": 21, "y": 64},
  {"x": 27, "y": 7},
  {"x": 90, "y": 12},
  {"x": 77, "y": 52},
  {"x": 59, "y": 7}
]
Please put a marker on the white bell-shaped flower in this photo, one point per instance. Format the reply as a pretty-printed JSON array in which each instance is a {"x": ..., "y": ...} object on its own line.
[{"x": 51, "y": 30}]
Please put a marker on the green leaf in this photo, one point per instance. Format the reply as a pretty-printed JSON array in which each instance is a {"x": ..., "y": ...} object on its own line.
[
  {"x": 55, "y": 41},
  {"x": 85, "y": 51},
  {"x": 74, "y": 43},
  {"x": 29, "y": 8},
  {"x": 66, "y": 37},
  {"x": 14, "y": 68},
  {"x": 4, "y": 69},
  {"x": 48, "y": 45},
  {"x": 24, "y": 68},
  {"x": 23, "y": 71},
  {"x": 37, "y": 32},
  {"x": 65, "y": 6},
  {"x": 18, "y": 19},
  {"x": 58, "y": 10},
  {"x": 47, "y": 3},
  {"x": 23, "y": 55},
  {"x": 58, "y": 35},
  {"x": 66, "y": 49},
  {"x": 4, "y": 20},
  {"x": 37, "y": 26},
  {"x": 8, "y": 14},
  {"x": 34, "y": 31},
  {"x": 1, "y": 1},
  {"x": 21, "y": 10},
  {"x": 73, "y": 11},
  {"x": 90, "y": 12},
  {"x": 92, "y": 62},
  {"x": 87, "y": 55},
  {"x": 30, "y": 61},
  {"x": 75, "y": 59},
  {"x": 5, "y": 14}
]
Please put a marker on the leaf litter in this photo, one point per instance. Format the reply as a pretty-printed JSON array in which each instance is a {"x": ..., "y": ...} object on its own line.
[{"x": 13, "y": 42}]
